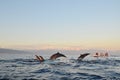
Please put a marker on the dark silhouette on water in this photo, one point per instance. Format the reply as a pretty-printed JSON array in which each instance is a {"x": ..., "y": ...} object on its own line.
[
  {"x": 57, "y": 55},
  {"x": 40, "y": 58},
  {"x": 82, "y": 56}
]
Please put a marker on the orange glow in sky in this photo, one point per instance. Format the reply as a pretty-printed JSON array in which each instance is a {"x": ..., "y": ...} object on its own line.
[{"x": 60, "y": 24}]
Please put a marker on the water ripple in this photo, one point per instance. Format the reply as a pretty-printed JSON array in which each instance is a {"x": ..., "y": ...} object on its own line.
[{"x": 30, "y": 69}]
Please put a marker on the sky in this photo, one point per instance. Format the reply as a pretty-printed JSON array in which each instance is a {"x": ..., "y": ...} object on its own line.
[{"x": 60, "y": 24}]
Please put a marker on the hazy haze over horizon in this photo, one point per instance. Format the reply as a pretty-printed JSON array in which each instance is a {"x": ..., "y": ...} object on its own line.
[{"x": 60, "y": 24}]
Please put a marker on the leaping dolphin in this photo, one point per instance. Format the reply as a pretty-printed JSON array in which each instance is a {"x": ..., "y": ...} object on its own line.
[
  {"x": 56, "y": 55},
  {"x": 40, "y": 58},
  {"x": 82, "y": 56}
]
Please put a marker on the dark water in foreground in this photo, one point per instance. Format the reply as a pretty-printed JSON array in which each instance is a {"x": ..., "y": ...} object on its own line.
[{"x": 67, "y": 69}]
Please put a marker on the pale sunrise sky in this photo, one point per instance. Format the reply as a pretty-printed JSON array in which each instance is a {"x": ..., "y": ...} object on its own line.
[{"x": 60, "y": 24}]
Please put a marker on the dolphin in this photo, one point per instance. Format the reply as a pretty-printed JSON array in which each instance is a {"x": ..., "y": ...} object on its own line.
[
  {"x": 82, "y": 56},
  {"x": 40, "y": 58},
  {"x": 56, "y": 55}
]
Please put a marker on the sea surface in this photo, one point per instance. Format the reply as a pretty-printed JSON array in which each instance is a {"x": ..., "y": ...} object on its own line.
[{"x": 26, "y": 67}]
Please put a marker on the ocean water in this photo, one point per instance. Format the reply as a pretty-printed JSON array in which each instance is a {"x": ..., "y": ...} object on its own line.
[{"x": 25, "y": 67}]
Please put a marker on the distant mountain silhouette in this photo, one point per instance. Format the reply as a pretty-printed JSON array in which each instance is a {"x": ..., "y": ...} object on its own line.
[{"x": 3, "y": 50}]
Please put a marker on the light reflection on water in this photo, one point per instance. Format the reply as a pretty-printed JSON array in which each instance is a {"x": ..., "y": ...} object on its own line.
[{"x": 25, "y": 67}]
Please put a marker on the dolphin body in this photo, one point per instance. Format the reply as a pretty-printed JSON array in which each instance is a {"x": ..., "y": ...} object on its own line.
[
  {"x": 57, "y": 55},
  {"x": 82, "y": 56},
  {"x": 40, "y": 58}
]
